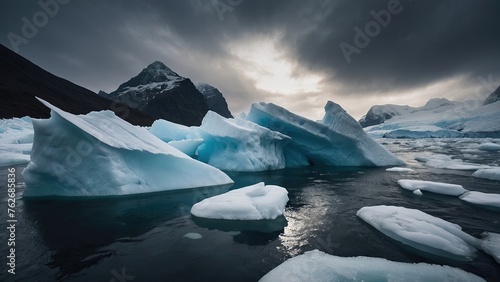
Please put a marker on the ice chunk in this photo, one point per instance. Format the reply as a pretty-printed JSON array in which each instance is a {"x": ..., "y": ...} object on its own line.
[
  {"x": 434, "y": 187},
  {"x": 483, "y": 199},
  {"x": 446, "y": 162},
  {"x": 16, "y": 138},
  {"x": 421, "y": 231},
  {"x": 193, "y": 236},
  {"x": 100, "y": 154},
  {"x": 491, "y": 245},
  {"x": 254, "y": 202},
  {"x": 318, "y": 266},
  {"x": 489, "y": 147},
  {"x": 417, "y": 192},
  {"x": 338, "y": 140},
  {"x": 488, "y": 173},
  {"x": 240, "y": 145},
  {"x": 400, "y": 169}
]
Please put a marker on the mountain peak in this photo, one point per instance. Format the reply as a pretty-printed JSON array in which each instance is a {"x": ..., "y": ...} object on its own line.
[
  {"x": 156, "y": 72},
  {"x": 493, "y": 97}
]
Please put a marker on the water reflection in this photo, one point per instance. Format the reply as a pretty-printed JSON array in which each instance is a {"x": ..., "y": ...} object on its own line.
[{"x": 77, "y": 230}]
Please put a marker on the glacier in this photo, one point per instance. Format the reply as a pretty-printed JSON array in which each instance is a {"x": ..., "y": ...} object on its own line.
[
  {"x": 337, "y": 140},
  {"x": 99, "y": 154},
  {"x": 255, "y": 202},
  {"x": 427, "y": 233},
  {"x": 240, "y": 145},
  {"x": 319, "y": 266},
  {"x": 439, "y": 118}
]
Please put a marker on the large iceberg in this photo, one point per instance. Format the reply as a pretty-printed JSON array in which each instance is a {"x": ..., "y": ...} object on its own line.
[
  {"x": 256, "y": 202},
  {"x": 428, "y": 234},
  {"x": 318, "y": 266},
  {"x": 100, "y": 154},
  {"x": 240, "y": 145},
  {"x": 337, "y": 140}
]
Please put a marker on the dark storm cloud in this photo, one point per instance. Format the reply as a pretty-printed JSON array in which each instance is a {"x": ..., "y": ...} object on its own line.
[{"x": 100, "y": 44}]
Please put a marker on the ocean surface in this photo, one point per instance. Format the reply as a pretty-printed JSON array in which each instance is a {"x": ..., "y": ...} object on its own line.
[{"x": 153, "y": 237}]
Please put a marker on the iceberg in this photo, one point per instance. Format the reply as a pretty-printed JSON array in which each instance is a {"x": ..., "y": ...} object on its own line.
[
  {"x": 434, "y": 187},
  {"x": 488, "y": 200},
  {"x": 421, "y": 231},
  {"x": 169, "y": 131},
  {"x": 488, "y": 173},
  {"x": 319, "y": 266},
  {"x": 489, "y": 147},
  {"x": 240, "y": 145},
  {"x": 337, "y": 140},
  {"x": 99, "y": 154},
  {"x": 400, "y": 169},
  {"x": 188, "y": 146},
  {"x": 256, "y": 202}
]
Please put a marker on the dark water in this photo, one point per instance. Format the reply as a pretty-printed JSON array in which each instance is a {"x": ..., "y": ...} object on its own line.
[{"x": 141, "y": 238}]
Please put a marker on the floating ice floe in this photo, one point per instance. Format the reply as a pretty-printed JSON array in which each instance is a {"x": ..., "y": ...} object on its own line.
[
  {"x": 337, "y": 140},
  {"x": 16, "y": 140},
  {"x": 446, "y": 162},
  {"x": 254, "y": 202},
  {"x": 489, "y": 147},
  {"x": 434, "y": 187},
  {"x": 483, "y": 199},
  {"x": 427, "y": 233},
  {"x": 318, "y": 266},
  {"x": 399, "y": 169},
  {"x": 491, "y": 245},
  {"x": 488, "y": 173},
  {"x": 99, "y": 154},
  {"x": 240, "y": 145}
]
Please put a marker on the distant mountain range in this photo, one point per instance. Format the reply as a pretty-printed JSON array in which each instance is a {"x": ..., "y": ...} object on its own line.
[
  {"x": 163, "y": 94},
  {"x": 21, "y": 81}
]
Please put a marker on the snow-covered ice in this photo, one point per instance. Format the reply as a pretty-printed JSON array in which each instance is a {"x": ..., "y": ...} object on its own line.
[
  {"x": 99, "y": 154},
  {"x": 399, "y": 169},
  {"x": 240, "y": 145},
  {"x": 319, "y": 266},
  {"x": 337, "y": 140},
  {"x": 489, "y": 147},
  {"x": 434, "y": 187},
  {"x": 255, "y": 202},
  {"x": 488, "y": 173},
  {"x": 484, "y": 199},
  {"x": 421, "y": 231}
]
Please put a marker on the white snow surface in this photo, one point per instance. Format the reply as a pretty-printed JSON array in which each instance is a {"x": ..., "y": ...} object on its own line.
[
  {"x": 337, "y": 140},
  {"x": 421, "y": 231},
  {"x": 240, "y": 145},
  {"x": 321, "y": 267},
  {"x": 99, "y": 154},
  {"x": 488, "y": 173},
  {"x": 255, "y": 202},
  {"x": 483, "y": 199},
  {"x": 488, "y": 146},
  {"x": 16, "y": 138},
  {"x": 434, "y": 187}
]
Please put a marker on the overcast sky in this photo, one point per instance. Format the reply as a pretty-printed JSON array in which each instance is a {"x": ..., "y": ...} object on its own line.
[{"x": 297, "y": 54}]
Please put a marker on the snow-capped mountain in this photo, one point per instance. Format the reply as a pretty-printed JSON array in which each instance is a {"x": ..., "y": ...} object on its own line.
[
  {"x": 21, "y": 81},
  {"x": 163, "y": 94},
  {"x": 440, "y": 118},
  {"x": 215, "y": 100}
]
